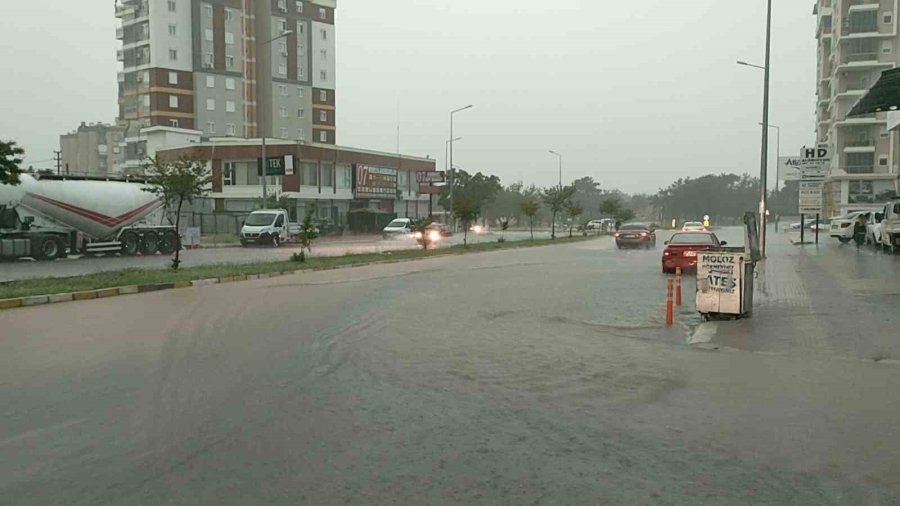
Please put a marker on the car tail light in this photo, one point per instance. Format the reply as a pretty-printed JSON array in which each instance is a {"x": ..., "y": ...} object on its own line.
[
  {"x": 667, "y": 253},
  {"x": 845, "y": 225},
  {"x": 644, "y": 234},
  {"x": 617, "y": 235}
]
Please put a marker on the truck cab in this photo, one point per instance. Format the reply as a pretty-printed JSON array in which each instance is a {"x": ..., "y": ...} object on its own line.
[{"x": 268, "y": 227}]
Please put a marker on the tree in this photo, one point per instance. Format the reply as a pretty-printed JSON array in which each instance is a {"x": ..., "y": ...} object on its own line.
[
  {"x": 177, "y": 182},
  {"x": 588, "y": 193},
  {"x": 615, "y": 208},
  {"x": 574, "y": 210},
  {"x": 556, "y": 198},
  {"x": 308, "y": 231},
  {"x": 465, "y": 209},
  {"x": 504, "y": 226},
  {"x": 530, "y": 207},
  {"x": 478, "y": 191},
  {"x": 10, "y": 159}
]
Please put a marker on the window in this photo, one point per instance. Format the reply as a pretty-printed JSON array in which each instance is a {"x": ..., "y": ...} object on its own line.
[
  {"x": 282, "y": 5},
  {"x": 283, "y": 24},
  {"x": 282, "y": 68},
  {"x": 229, "y": 106},
  {"x": 324, "y": 54},
  {"x": 208, "y": 10},
  {"x": 282, "y": 46},
  {"x": 323, "y": 115},
  {"x": 882, "y": 161},
  {"x": 211, "y": 127},
  {"x": 323, "y": 75},
  {"x": 173, "y": 55},
  {"x": 229, "y": 38},
  {"x": 284, "y": 133},
  {"x": 208, "y": 60},
  {"x": 284, "y": 113},
  {"x": 885, "y": 134},
  {"x": 210, "y": 81},
  {"x": 327, "y": 174},
  {"x": 301, "y": 135},
  {"x": 229, "y": 60},
  {"x": 301, "y": 73},
  {"x": 861, "y": 192},
  {"x": 301, "y": 113},
  {"x": 173, "y": 77},
  {"x": 229, "y": 129},
  {"x": 887, "y": 18},
  {"x": 173, "y": 123},
  {"x": 323, "y": 14},
  {"x": 301, "y": 50},
  {"x": 145, "y": 99},
  {"x": 323, "y": 136},
  {"x": 145, "y": 76},
  {"x": 283, "y": 89},
  {"x": 173, "y": 30},
  {"x": 324, "y": 34},
  {"x": 859, "y": 163},
  {"x": 310, "y": 174},
  {"x": 300, "y": 92},
  {"x": 116, "y": 150},
  {"x": 228, "y": 172},
  {"x": 299, "y": 5},
  {"x": 172, "y": 6},
  {"x": 344, "y": 177},
  {"x": 886, "y": 46},
  {"x": 173, "y": 101},
  {"x": 300, "y": 28},
  {"x": 323, "y": 96},
  {"x": 210, "y": 104},
  {"x": 208, "y": 34},
  {"x": 229, "y": 14},
  {"x": 229, "y": 83}
]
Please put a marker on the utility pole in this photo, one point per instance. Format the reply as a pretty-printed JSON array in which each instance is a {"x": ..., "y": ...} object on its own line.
[
  {"x": 764, "y": 162},
  {"x": 58, "y": 159}
]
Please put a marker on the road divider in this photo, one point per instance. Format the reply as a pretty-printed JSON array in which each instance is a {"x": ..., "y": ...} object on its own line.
[
  {"x": 670, "y": 311},
  {"x": 37, "y": 292}
]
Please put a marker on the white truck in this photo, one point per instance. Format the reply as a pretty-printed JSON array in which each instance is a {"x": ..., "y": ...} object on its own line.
[
  {"x": 49, "y": 217},
  {"x": 890, "y": 226},
  {"x": 269, "y": 227}
]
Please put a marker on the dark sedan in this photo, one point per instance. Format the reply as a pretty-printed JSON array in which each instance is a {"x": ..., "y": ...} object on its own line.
[{"x": 636, "y": 235}]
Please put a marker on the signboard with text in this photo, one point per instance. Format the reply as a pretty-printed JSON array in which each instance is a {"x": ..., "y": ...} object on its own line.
[
  {"x": 811, "y": 159},
  {"x": 719, "y": 284},
  {"x": 375, "y": 182},
  {"x": 276, "y": 166},
  {"x": 812, "y": 183},
  {"x": 428, "y": 182}
]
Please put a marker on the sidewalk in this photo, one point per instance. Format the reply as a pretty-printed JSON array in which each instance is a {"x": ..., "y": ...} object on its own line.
[{"x": 826, "y": 301}]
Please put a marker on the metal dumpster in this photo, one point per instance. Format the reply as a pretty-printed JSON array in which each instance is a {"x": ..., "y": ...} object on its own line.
[{"x": 725, "y": 277}]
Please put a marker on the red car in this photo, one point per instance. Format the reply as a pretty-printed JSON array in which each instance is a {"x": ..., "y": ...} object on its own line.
[{"x": 681, "y": 250}]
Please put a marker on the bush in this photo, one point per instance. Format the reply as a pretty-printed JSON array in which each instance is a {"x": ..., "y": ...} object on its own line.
[
  {"x": 501, "y": 240},
  {"x": 298, "y": 257}
]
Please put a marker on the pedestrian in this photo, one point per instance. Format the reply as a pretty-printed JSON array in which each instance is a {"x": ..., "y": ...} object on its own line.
[
  {"x": 860, "y": 230},
  {"x": 618, "y": 224}
]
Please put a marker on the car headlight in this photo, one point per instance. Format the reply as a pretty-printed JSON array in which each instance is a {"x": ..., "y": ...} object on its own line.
[{"x": 434, "y": 236}]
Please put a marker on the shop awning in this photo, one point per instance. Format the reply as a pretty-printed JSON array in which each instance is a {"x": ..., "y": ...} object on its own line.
[{"x": 883, "y": 96}]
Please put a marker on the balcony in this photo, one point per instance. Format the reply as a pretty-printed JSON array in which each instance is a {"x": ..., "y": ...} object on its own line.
[
  {"x": 859, "y": 169},
  {"x": 120, "y": 55},
  {"x": 120, "y": 33}
]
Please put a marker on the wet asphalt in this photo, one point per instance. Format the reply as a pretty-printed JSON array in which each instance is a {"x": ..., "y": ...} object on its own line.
[{"x": 533, "y": 376}]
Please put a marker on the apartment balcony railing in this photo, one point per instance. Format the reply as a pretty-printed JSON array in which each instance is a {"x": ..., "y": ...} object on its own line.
[
  {"x": 859, "y": 169},
  {"x": 860, "y": 143},
  {"x": 855, "y": 57}
]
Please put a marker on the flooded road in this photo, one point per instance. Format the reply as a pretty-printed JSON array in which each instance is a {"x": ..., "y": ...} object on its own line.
[{"x": 534, "y": 376}]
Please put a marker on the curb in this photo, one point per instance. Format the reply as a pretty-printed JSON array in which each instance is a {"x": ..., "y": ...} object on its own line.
[{"x": 103, "y": 293}]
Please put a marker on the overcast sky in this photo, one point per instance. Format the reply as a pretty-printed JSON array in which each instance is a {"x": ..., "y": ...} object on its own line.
[{"x": 634, "y": 94}]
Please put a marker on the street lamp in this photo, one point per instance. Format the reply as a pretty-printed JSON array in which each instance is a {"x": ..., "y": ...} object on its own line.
[
  {"x": 452, "y": 179},
  {"x": 560, "y": 166},
  {"x": 764, "y": 157},
  {"x": 777, "y": 146},
  {"x": 263, "y": 127}
]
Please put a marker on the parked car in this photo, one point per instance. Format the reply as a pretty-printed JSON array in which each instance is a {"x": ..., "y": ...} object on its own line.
[
  {"x": 812, "y": 225},
  {"x": 693, "y": 226},
  {"x": 681, "y": 250},
  {"x": 890, "y": 225},
  {"x": 842, "y": 226},
  {"x": 873, "y": 229},
  {"x": 398, "y": 227},
  {"x": 440, "y": 228},
  {"x": 269, "y": 227},
  {"x": 594, "y": 225},
  {"x": 635, "y": 235}
]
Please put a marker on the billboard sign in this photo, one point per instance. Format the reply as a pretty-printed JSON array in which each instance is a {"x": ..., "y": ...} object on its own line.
[
  {"x": 428, "y": 182},
  {"x": 375, "y": 182},
  {"x": 810, "y": 159},
  {"x": 811, "y": 186},
  {"x": 276, "y": 166}
]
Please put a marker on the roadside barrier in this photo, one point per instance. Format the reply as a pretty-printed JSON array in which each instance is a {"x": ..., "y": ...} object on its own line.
[
  {"x": 670, "y": 314},
  {"x": 678, "y": 286}
]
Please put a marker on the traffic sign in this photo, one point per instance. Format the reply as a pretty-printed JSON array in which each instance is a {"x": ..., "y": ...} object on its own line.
[{"x": 811, "y": 184}]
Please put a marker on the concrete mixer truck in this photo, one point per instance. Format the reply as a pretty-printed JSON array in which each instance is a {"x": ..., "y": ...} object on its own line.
[{"x": 50, "y": 217}]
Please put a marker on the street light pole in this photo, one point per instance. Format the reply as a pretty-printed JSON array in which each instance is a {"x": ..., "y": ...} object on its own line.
[
  {"x": 777, "y": 148},
  {"x": 262, "y": 127},
  {"x": 560, "y": 165},
  {"x": 446, "y": 163},
  {"x": 452, "y": 172},
  {"x": 764, "y": 162}
]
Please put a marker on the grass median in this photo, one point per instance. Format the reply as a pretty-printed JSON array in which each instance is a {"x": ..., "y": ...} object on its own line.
[{"x": 128, "y": 277}]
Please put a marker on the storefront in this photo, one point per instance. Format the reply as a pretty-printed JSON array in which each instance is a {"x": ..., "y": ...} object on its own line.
[{"x": 352, "y": 188}]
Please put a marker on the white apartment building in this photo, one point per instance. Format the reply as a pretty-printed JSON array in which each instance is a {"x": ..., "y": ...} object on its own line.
[
  {"x": 226, "y": 68},
  {"x": 857, "y": 40}
]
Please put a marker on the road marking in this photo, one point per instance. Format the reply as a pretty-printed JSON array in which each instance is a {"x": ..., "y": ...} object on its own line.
[{"x": 704, "y": 333}]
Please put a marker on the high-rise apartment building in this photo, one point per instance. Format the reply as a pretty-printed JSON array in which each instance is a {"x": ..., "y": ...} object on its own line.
[
  {"x": 857, "y": 40},
  {"x": 228, "y": 68}
]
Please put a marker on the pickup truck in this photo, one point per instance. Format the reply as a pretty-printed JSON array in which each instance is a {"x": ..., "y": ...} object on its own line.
[
  {"x": 270, "y": 227},
  {"x": 890, "y": 226}
]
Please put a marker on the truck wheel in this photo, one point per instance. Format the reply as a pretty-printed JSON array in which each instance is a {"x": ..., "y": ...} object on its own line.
[
  {"x": 149, "y": 243},
  {"x": 49, "y": 247},
  {"x": 130, "y": 243},
  {"x": 167, "y": 243}
]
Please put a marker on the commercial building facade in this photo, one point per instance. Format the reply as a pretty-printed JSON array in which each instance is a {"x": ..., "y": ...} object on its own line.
[
  {"x": 857, "y": 40},
  {"x": 92, "y": 150},
  {"x": 228, "y": 68},
  {"x": 357, "y": 189}
]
